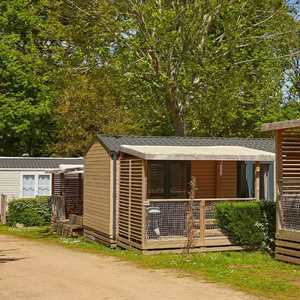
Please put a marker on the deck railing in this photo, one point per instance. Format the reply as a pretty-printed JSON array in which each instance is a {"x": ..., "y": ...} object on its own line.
[
  {"x": 290, "y": 211},
  {"x": 167, "y": 219}
]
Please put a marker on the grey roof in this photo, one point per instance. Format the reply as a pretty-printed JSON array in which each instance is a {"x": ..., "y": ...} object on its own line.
[
  {"x": 37, "y": 162},
  {"x": 113, "y": 143}
]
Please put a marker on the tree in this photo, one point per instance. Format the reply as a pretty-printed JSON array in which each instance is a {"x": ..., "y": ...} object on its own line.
[
  {"x": 214, "y": 68},
  {"x": 211, "y": 68},
  {"x": 26, "y": 91},
  {"x": 88, "y": 106}
]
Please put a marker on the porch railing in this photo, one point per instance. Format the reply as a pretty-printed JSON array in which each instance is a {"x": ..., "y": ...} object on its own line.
[
  {"x": 290, "y": 211},
  {"x": 167, "y": 219}
]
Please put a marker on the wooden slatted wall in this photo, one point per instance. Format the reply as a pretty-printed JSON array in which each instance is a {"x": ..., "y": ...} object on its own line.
[
  {"x": 205, "y": 174},
  {"x": 73, "y": 194},
  {"x": 288, "y": 182},
  {"x": 228, "y": 180},
  {"x": 56, "y": 184},
  {"x": 130, "y": 225},
  {"x": 290, "y": 150},
  {"x": 210, "y": 184}
]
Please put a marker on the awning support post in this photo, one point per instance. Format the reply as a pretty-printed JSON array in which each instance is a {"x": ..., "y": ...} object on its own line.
[{"x": 257, "y": 180}]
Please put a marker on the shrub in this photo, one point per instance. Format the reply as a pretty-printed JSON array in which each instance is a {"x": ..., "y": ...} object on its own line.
[
  {"x": 268, "y": 224},
  {"x": 248, "y": 223},
  {"x": 29, "y": 211}
]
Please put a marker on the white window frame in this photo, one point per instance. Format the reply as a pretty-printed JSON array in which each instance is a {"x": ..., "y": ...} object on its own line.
[{"x": 36, "y": 183}]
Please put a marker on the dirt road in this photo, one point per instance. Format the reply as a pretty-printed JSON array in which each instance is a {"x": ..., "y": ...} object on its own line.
[{"x": 31, "y": 270}]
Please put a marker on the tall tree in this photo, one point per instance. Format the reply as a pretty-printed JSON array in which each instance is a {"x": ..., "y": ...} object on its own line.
[
  {"x": 206, "y": 67},
  {"x": 26, "y": 69}
]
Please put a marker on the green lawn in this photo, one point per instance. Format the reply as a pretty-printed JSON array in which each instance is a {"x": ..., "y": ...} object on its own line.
[{"x": 252, "y": 272}]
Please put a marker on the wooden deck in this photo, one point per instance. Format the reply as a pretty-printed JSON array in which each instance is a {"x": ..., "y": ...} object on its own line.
[{"x": 288, "y": 246}]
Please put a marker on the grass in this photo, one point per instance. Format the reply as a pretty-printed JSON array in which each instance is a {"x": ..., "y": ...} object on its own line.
[{"x": 252, "y": 272}]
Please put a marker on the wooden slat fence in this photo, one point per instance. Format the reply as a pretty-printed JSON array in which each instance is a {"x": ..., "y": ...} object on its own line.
[{"x": 131, "y": 201}]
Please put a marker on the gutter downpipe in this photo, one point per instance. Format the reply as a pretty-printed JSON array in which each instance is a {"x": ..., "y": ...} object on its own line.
[{"x": 114, "y": 157}]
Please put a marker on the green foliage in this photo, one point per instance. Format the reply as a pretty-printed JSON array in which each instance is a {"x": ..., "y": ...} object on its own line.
[
  {"x": 248, "y": 223},
  {"x": 202, "y": 68},
  {"x": 208, "y": 68},
  {"x": 26, "y": 77},
  {"x": 29, "y": 211}
]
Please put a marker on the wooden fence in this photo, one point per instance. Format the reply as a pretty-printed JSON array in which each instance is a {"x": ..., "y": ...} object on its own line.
[{"x": 3, "y": 208}]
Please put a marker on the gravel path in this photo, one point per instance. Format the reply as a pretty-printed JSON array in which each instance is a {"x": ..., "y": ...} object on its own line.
[{"x": 32, "y": 270}]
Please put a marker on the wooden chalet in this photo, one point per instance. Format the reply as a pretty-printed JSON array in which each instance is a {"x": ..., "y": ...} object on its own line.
[
  {"x": 287, "y": 137},
  {"x": 136, "y": 191}
]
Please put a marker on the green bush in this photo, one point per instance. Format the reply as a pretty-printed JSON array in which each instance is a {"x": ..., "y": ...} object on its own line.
[
  {"x": 248, "y": 223},
  {"x": 29, "y": 211}
]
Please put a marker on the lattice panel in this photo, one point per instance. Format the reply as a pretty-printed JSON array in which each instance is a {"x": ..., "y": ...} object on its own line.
[
  {"x": 131, "y": 200},
  {"x": 169, "y": 219}
]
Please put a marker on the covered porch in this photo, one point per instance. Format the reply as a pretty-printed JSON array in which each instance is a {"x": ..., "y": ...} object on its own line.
[
  {"x": 67, "y": 191},
  {"x": 155, "y": 193}
]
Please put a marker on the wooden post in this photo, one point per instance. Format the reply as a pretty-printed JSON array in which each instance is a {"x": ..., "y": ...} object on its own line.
[
  {"x": 129, "y": 202},
  {"x": 145, "y": 202},
  {"x": 3, "y": 208},
  {"x": 202, "y": 220},
  {"x": 278, "y": 170},
  {"x": 257, "y": 180},
  {"x": 80, "y": 187},
  {"x": 62, "y": 192},
  {"x": 190, "y": 217}
]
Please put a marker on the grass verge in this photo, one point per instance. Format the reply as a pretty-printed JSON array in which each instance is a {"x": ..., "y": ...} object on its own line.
[{"x": 252, "y": 272}]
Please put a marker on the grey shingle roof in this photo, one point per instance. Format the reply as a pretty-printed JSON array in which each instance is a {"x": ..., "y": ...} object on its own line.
[
  {"x": 36, "y": 162},
  {"x": 113, "y": 143}
]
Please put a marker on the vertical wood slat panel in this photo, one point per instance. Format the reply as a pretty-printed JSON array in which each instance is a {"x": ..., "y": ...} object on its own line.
[
  {"x": 210, "y": 183},
  {"x": 288, "y": 199},
  {"x": 131, "y": 193}
]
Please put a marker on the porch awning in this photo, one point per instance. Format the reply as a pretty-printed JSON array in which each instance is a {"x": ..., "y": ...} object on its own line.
[
  {"x": 198, "y": 153},
  {"x": 74, "y": 169}
]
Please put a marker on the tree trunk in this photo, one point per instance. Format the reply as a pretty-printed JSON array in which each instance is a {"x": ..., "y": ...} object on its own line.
[{"x": 175, "y": 114}]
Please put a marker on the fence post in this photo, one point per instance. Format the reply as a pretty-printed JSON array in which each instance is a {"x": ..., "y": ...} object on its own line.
[
  {"x": 202, "y": 220},
  {"x": 3, "y": 208},
  {"x": 257, "y": 179}
]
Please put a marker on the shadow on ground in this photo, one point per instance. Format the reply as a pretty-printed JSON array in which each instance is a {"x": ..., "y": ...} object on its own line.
[{"x": 5, "y": 258}]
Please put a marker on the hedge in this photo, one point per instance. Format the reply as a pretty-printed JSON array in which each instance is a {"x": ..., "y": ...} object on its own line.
[
  {"x": 248, "y": 223},
  {"x": 29, "y": 211}
]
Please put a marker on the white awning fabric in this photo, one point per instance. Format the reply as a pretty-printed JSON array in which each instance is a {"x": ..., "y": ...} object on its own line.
[
  {"x": 236, "y": 153},
  {"x": 70, "y": 169}
]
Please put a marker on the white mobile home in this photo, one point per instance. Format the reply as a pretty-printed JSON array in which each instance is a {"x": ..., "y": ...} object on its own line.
[{"x": 29, "y": 176}]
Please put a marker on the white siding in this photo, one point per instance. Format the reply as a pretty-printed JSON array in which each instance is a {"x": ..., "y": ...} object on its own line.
[{"x": 10, "y": 183}]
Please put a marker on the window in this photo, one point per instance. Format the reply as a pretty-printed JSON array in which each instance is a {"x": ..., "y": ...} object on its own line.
[
  {"x": 43, "y": 185},
  {"x": 168, "y": 179},
  {"x": 28, "y": 185},
  {"x": 36, "y": 185}
]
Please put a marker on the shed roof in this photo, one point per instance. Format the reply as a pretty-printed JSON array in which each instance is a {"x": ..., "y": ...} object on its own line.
[
  {"x": 113, "y": 143},
  {"x": 281, "y": 125},
  {"x": 37, "y": 162},
  {"x": 236, "y": 153}
]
